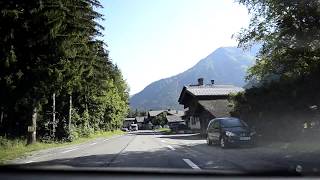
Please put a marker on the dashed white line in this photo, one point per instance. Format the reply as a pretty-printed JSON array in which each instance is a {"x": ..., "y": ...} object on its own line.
[
  {"x": 170, "y": 147},
  {"x": 70, "y": 150},
  {"x": 163, "y": 141},
  {"x": 191, "y": 164},
  {"x": 92, "y": 144}
]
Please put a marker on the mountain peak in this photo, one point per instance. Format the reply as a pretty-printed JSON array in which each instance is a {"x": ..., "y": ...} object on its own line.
[{"x": 225, "y": 65}]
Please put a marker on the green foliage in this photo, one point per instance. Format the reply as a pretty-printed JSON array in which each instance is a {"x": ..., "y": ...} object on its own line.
[
  {"x": 280, "y": 109},
  {"x": 287, "y": 67},
  {"x": 51, "y": 47},
  {"x": 161, "y": 119},
  {"x": 289, "y": 31},
  {"x": 164, "y": 130}
]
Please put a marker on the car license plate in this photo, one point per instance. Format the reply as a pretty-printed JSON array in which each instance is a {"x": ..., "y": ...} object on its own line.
[{"x": 244, "y": 138}]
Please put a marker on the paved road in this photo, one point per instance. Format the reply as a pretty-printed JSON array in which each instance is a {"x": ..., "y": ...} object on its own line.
[{"x": 147, "y": 149}]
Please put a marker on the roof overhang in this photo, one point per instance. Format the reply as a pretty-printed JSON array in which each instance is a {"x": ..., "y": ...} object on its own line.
[{"x": 183, "y": 94}]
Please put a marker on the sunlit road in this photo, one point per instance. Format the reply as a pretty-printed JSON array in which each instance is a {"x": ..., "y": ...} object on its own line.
[{"x": 148, "y": 149}]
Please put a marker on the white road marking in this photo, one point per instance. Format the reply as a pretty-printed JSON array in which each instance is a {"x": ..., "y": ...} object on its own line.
[
  {"x": 73, "y": 147},
  {"x": 170, "y": 147},
  {"x": 113, "y": 137},
  {"x": 191, "y": 164},
  {"x": 163, "y": 141},
  {"x": 70, "y": 150},
  {"x": 67, "y": 150}
]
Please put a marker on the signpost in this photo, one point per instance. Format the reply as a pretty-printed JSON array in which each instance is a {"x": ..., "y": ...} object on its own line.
[{"x": 31, "y": 128}]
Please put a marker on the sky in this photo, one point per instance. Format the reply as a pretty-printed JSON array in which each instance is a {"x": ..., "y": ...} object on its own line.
[{"x": 154, "y": 39}]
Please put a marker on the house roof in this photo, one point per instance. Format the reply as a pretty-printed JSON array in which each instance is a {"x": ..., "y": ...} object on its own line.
[
  {"x": 129, "y": 119},
  {"x": 213, "y": 90},
  {"x": 176, "y": 113},
  {"x": 218, "y": 108},
  {"x": 140, "y": 119},
  {"x": 155, "y": 113},
  {"x": 209, "y": 90},
  {"x": 174, "y": 118},
  {"x": 172, "y": 112}
]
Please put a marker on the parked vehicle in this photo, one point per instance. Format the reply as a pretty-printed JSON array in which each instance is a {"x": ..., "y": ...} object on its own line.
[
  {"x": 179, "y": 128},
  {"x": 134, "y": 127},
  {"x": 229, "y": 131}
]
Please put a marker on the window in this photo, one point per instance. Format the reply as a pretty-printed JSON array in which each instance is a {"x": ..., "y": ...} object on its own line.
[
  {"x": 232, "y": 122},
  {"x": 215, "y": 124}
]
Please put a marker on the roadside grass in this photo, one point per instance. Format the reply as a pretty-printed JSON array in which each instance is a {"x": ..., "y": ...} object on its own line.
[
  {"x": 164, "y": 130},
  {"x": 12, "y": 149}
]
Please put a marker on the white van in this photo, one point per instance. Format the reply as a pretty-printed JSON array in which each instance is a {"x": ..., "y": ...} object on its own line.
[{"x": 134, "y": 127}]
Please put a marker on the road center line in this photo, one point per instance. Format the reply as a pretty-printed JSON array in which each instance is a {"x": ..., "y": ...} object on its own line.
[
  {"x": 170, "y": 147},
  {"x": 92, "y": 144},
  {"x": 191, "y": 164},
  {"x": 163, "y": 141},
  {"x": 70, "y": 150}
]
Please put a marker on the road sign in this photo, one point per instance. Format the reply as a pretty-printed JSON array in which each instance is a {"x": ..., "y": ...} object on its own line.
[{"x": 31, "y": 129}]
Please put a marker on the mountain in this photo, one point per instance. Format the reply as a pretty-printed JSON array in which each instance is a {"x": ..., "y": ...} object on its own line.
[{"x": 226, "y": 65}]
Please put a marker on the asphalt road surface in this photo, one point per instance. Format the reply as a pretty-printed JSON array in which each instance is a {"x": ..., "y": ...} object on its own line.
[{"x": 148, "y": 149}]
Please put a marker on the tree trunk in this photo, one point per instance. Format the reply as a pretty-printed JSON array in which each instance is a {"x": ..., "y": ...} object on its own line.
[
  {"x": 32, "y": 129},
  {"x": 70, "y": 113},
  {"x": 53, "y": 115}
]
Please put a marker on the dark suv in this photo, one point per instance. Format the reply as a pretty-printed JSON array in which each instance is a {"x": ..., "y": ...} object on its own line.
[{"x": 228, "y": 131}]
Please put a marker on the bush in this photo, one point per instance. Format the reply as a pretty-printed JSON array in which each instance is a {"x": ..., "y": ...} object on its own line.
[
  {"x": 8, "y": 144},
  {"x": 279, "y": 109}
]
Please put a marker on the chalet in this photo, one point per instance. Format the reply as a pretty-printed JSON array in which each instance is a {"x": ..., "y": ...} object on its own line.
[
  {"x": 172, "y": 116},
  {"x": 128, "y": 121},
  {"x": 141, "y": 121},
  {"x": 174, "y": 119},
  {"x": 205, "y": 102}
]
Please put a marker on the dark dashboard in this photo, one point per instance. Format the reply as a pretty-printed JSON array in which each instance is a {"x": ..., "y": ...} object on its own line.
[{"x": 43, "y": 173}]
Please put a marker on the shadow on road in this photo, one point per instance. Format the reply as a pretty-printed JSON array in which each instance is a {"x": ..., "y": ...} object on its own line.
[
  {"x": 184, "y": 136},
  {"x": 206, "y": 157},
  {"x": 145, "y": 133},
  {"x": 162, "y": 158}
]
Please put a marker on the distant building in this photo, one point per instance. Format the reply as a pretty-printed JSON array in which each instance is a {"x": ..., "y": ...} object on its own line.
[
  {"x": 128, "y": 121},
  {"x": 141, "y": 121},
  {"x": 174, "y": 119},
  {"x": 172, "y": 116},
  {"x": 205, "y": 102}
]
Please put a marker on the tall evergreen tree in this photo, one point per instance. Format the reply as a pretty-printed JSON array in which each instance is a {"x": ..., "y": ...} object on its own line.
[{"x": 51, "y": 47}]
